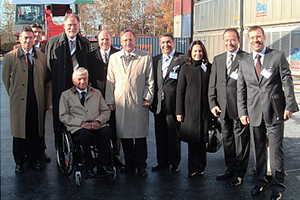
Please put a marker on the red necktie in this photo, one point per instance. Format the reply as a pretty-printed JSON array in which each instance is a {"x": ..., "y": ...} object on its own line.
[
  {"x": 28, "y": 60},
  {"x": 258, "y": 65}
]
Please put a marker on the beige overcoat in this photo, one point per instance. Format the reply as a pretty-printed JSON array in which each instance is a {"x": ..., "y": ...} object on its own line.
[
  {"x": 128, "y": 89},
  {"x": 15, "y": 79}
]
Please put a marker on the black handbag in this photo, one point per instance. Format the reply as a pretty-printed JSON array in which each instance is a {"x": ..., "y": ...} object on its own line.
[{"x": 214, "y": 136}]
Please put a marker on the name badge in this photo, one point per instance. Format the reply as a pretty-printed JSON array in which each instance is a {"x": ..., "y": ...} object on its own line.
[
  {"x": 203, "y": 66},
  {"x": 266, "y": 73},
  {"x": 234, "y": 75},
  {"x": 173, "y": 75}
]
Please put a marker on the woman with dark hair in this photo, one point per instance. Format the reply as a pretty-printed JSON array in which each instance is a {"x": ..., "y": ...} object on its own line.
[{"x": 192, "y": 108}]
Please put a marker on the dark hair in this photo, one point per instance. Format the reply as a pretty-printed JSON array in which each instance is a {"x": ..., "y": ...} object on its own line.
[
  {"x": 189, "y": 54},
  {"x": 253, "y": 28},
  {"x": 232, "y": 30},
  {"x": 26, "y": 29},
  {"x": 71, "y": 15},
  {"x": 126, "y": 31},
  {"x": 36, "y": 25},
  {"x": 166, "y": 35}
]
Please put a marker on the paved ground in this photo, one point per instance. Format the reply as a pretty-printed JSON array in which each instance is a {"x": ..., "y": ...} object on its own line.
[{"x": 52, "y": 184}]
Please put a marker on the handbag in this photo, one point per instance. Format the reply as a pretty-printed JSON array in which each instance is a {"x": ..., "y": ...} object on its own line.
[{"x": 214, "y": 136}]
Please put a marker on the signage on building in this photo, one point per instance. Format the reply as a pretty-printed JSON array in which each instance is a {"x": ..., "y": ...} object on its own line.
[{"x": 261, "y": 10}]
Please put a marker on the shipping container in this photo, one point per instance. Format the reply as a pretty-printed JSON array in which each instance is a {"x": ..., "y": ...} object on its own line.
[
  {"x": 187, "y": 25},
  {"x": 271, "y": 12},
  {"x": 187, "y": 6},
  {"x": 151, "y": 44},
  {"x": 217, "y": 15},
  {"x": 283, "y": 37},
  {"x": 178, "y": 7},
  {"x": 178, "y": 26}
]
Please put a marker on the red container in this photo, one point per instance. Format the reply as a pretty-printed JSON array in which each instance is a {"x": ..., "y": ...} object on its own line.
[
  {"x": 178, "y": 7},
  {"x": 187, "y": 6}
]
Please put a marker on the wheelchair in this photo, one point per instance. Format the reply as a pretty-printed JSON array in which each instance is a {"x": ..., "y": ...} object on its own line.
[{"x": 70, "y": 158}]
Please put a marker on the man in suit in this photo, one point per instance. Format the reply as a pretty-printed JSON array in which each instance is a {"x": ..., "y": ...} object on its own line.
[
  {"x": 24, "y": 75},
  {"x": 65, "y": 53},
  {"x": 166, "y": 69},
  {"x": 37, "y": 33},
  {"x": 129, "y": 91},
  {"x": 98, "y": 59},
  {"x": 84, "y": 112},
  {"x": 263, "y": 75},
  {"x": 223, "y": 104}
]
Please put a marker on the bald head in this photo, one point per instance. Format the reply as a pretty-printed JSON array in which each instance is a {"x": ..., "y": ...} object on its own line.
[{"x": 104, "y": 40}]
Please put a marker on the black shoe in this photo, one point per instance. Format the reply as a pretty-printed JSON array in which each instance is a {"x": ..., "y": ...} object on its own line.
[
  {"x": 45, "y": 157},
  {"x": 226, "y": 175},
  {"x": 236, "y": 181},
  {"x": 36, "y": 166},
  {"x": 127, "y": 167},
  {"x": 276, "y": 196},
  {"x": 159, "y": 167},
  {"x": 201, "y": 173},
  {"x": 143, "y": 172},
  {"x": 257, "y": 190},
  {"x": 90, "y": 173},
  {"x": 175, "y": 168},
  {"x": 118, "y": 162},
  {"x": 19, "y": 169},
  {"x": 104, "y": 170}
]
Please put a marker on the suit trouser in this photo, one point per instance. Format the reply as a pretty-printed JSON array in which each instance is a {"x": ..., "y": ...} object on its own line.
[
  {"x": 135, "y": 152},
  {"x": 196, "y": 157},
  {"x": 100, "y": 138},
  {"x": 168, "y": 144},
  {"x": 115, "y": 140},
  {"x": 275, "y": 136},
  {"x": 236, "y": 144}
]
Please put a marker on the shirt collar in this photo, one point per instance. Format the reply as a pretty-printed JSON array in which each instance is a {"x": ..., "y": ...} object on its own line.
[
  {"x": 38, "y": 45},
  {"x": 126, "y": 53},
  {"x": 25, "y": 52},
  {"x": 74, "y": 39},
  {"x": 262, "y": 53},
  {"x": 107, "y": 52},
  {"x": 85, "y": 90},
  {"x": 170, "y": 55},
  {"x": 234, "y": 53}
]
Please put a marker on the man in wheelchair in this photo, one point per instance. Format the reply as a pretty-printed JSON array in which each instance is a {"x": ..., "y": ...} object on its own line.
[{"x": 84, "y": 112}]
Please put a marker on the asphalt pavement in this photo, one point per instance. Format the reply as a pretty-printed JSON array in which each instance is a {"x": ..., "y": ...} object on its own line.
[{"x": 52, "y": 184}]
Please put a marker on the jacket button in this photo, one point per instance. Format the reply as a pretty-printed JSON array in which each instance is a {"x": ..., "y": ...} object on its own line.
[
  {"x": 22, "y": 98},
  {"x": 23, "y": 84}
]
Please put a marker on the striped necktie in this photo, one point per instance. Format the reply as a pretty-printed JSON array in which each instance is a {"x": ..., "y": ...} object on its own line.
[
  {"x": 165, "y": 66},
  {"x": 229, "y": 65},
  {"x": 73, "y": 55},
  {"x": 258, "y": 65}
]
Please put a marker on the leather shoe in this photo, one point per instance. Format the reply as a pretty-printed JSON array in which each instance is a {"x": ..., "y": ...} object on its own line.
[
  {"x": 257, "y": 190},
  {"x": 90, "y": 173},
  {"x": 104, "y": 170},
  {"x": 127, "y": 167},
  {"x": 143, "y": 172},
  {"x": 236, "y": 181},
  {"x": 159, "y": 167},
  {"x": 45, "y": 157},
  {"x": 175, "y": 168},
  {"x": 19, "y": 169},
  {"x": 276, "y": 196},
  {"x": 226, "y": 175},
  {"x": 36, "y": 166},
  {"x": 118, "y": 162},
  {"x": 192, "y": 174}
]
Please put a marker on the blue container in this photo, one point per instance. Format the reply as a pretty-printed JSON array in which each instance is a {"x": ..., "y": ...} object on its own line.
[{"x": 187, "y": 25}]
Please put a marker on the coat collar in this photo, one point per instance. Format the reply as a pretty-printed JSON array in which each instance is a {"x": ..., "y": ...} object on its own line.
[{"x": 20, "y": 52}]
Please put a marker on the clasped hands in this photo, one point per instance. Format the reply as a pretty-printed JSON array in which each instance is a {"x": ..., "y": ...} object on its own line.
[{"x": 91, "y": 125}]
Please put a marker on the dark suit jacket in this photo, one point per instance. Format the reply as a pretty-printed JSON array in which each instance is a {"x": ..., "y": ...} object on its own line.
[
  {"x": 59, "y": 61},
  {"x": 167, "y": 85},
  {"x": 254, "y": 96},
  {"x": 98, "y": 69},
  {"x": 222, "y": 88}
]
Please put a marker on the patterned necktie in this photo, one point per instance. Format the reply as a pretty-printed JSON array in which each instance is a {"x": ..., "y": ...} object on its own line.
[
  {"x": 73, "y": 55},
  {"x": 28, "y": 61},
  {"x": 82, "y": 98},
  {"x": 229, "y": 65},
  {"x": 165, "y": 66},
  {"x": 258, "y": 65},
  {"x": 105, "y": 57}
]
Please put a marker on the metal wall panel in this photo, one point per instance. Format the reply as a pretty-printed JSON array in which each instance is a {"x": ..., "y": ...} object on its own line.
[
  {"x": 151, "y": 44},
  {"x": 187, "y": 6},
  {"x": 271, "y": 12},
  {"x": 177, "y": 26},
  {"x": 216, "y": 15},
  {"x": 187, "y": 25},
  {"x": 178, "y": 7}
]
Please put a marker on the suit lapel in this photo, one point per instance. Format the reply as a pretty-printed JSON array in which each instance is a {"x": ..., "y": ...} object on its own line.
[
  {"x": 267, "y": 58},
  {"x": 173, "y": 63}
]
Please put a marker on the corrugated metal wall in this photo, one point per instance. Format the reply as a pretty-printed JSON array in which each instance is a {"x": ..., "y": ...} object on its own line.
[{"x": 151, "y": 44}]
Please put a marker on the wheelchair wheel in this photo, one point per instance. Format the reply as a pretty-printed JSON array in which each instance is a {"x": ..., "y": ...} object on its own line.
[{"x": 64, "y": 153}]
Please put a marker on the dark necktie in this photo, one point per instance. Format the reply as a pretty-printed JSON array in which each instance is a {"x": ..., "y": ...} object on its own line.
[
  {"x": 73, "y": 56},
  {"x": 105, "y": 57},
  {"x": 229, "y": 65},
  {"x": 258, "y": 66},
  {"x": 28, "y": 61},
  {"x": 82, "y": 98}
]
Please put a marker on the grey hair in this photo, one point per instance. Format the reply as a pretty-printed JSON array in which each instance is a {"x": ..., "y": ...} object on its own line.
[{"x": 79, "y": 71}]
